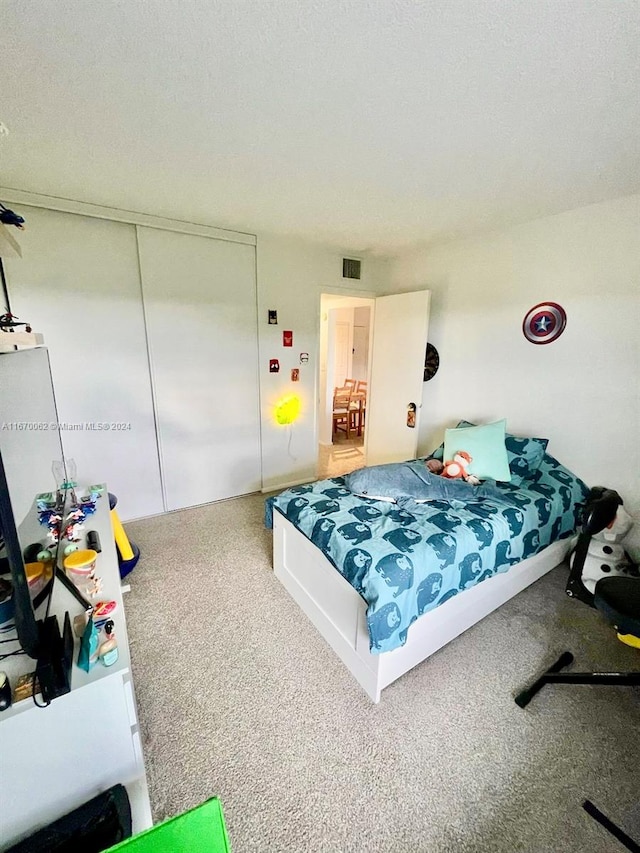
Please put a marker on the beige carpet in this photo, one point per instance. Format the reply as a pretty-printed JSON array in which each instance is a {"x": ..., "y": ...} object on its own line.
[{"x": 240, "y": 697}]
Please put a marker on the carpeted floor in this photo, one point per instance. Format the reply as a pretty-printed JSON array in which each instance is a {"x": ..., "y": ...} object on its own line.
[{"x": 239, "y": 696}]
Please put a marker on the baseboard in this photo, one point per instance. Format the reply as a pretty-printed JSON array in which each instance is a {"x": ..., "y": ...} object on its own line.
[{"x": 279, "y": 487}]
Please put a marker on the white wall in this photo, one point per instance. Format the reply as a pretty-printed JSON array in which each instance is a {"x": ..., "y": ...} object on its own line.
[
  {"x": 292, "y": 274},
  {"x": 79, "y": 284},
  {"x": 581, "y": 391}
]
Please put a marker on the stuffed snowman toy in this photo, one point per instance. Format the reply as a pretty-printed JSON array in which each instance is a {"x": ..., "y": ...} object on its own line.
[{"x": 606, "y": 558}]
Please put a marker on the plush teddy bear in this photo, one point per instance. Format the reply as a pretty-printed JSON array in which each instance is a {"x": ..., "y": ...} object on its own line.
[{"x": 456, "y": 468}]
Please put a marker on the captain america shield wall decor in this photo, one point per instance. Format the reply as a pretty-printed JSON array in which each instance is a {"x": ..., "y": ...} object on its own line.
[{"x": 544, "y": 323}]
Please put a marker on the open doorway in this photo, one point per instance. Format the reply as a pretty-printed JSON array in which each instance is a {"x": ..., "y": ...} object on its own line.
[{"x": 345, "y": 360}]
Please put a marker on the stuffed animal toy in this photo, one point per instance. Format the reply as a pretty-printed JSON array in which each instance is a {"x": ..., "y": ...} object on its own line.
[
  {"x": 456, "y": 468},
  {"x": 606, "y": 557},
  {"x": 435, "y": 466}
]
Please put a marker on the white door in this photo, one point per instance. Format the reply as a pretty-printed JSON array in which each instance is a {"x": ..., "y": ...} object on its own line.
[
  {"x": 200, "y": 306},
  {"x": 360, "y": 352},
  {"x": 78, "y": 282},
  {"x": 342, "y": 364},
  {"x": 397, "y": 372}
]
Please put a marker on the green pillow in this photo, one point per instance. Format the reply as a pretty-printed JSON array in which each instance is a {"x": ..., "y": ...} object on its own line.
[
  {"x": 525, "y": 454},
  {"x": 486, "y": 446}
]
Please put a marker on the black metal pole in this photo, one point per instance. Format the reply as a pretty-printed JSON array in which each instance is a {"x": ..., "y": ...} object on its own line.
[
  {"x": 615, "y": 679},
  {"x": 523, "y": 698},
  {"x": 4, "y": 288},
  {"x": 610, "y": 826}
]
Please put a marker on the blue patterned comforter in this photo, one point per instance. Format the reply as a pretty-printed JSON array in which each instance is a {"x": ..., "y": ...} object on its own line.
[{"x": 405, "y": 559}]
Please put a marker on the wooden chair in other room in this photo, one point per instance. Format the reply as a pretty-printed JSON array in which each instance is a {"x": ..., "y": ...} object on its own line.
[
  {"x": 342, "y": 414},
  {"x": 359, "y": 405}
]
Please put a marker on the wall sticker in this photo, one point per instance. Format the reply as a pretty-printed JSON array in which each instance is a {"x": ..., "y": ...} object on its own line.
[
  {"x": 544, "y": 323},
  {"x": 431, "y": 362}
]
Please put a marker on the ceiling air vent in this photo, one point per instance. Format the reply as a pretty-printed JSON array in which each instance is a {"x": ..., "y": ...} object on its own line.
[{"x": 350, "y": 268}]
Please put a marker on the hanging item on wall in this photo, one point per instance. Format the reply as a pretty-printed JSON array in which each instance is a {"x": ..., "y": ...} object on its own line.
[
  {"x": 411, "y": 415},
  {"x": 431, "y": 362},
  {"x": 8, "y": 217},
  {"x": 287, "y": 339},
  {"x": 545, "y": 322},
  {"x": 273, "y": 317},
  {"x": 304, "y": 357},
  {"x": 295, "y": 374},
  {"x": 287, "y": 409},
  {"x": 274, "y": 365}
]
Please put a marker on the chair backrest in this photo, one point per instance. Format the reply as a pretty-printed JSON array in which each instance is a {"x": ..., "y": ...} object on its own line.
[
  {"x": 350, "y": 383},
  {"x": 341, "y": 398},
  {"x": 600, "y": 510},
  {"x": 361, "y": 387}
]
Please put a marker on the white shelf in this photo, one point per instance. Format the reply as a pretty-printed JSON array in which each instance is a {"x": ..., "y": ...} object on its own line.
[
  {"x": 23, "y": 340},
  {"x": 63, "y": 601},
  {"x": 85, "y": 741}
]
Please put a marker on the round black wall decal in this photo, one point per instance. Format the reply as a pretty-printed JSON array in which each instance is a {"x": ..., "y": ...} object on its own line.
[{"x": 431, "y": 362}]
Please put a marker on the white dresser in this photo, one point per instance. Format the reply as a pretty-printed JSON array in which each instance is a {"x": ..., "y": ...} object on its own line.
[{"x": 56, "y": 758}]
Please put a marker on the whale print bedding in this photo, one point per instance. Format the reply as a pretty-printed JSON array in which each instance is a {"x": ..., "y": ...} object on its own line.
[{"x": 406, "y": 558}]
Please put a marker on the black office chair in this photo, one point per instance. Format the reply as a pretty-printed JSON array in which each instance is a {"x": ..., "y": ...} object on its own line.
[{"x": 618, "y": 599}]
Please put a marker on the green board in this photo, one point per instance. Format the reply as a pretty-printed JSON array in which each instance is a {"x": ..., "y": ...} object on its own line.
[{"x": 200, "y": 830}]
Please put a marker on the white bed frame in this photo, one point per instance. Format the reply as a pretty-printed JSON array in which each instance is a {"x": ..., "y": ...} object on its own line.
[{"x": 339, "y": 612}]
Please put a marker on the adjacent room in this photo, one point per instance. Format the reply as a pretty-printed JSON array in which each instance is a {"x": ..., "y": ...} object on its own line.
[
  {"x": 345, "y": 339},
  {"x": 319, "y": 418}
]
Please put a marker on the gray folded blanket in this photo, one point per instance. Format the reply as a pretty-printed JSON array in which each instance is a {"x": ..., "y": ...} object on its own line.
[{"x": 400, "y": 480}]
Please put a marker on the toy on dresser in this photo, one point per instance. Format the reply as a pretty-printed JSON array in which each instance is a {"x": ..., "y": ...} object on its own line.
[
  {"x": 80, "y": 567},
  {"x": 97, "y": 637}
]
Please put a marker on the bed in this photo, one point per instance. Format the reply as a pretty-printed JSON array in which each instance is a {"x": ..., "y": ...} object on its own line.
[{"x": 388, "y": 583}]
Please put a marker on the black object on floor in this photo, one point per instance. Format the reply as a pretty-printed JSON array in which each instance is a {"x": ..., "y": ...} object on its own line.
[
  {"x": 93, "y": 827},
  {"x": 610, "y": 826},
  {"x": 554, "y": 675}
]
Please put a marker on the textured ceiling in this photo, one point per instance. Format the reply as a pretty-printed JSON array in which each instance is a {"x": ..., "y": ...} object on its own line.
[{"x": 370, "y": 124}]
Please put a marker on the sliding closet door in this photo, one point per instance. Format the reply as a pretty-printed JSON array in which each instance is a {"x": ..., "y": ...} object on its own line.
[
  {"x": 200, "y": 307},
  {"x": 78, "y": 283}
]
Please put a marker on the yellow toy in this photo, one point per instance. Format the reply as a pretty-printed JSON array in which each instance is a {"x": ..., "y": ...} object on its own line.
[{"x": 128, "y": 552}]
